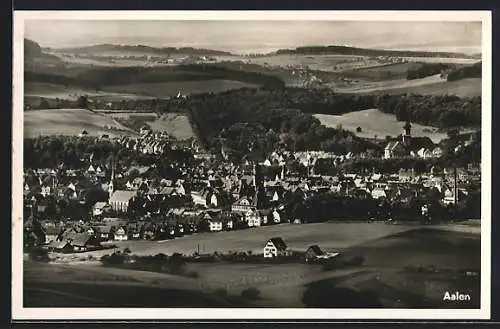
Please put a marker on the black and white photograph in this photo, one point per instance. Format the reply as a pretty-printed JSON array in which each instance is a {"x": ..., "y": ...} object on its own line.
[{"x": 218, "y": 165}]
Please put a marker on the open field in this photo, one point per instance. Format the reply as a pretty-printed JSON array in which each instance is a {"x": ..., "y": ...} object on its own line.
[
  {"x": 71, "y": 122},
  {"x": 49, "y": 90},
  {"x": 462, "y": 88},
  {"x": 374, "y": 86},
  {"x": 174, "y": 124},
  {"x": 374, "y": 122},
  {"x": 388, "y": 251},
  {"x": 170, "y": 89}
]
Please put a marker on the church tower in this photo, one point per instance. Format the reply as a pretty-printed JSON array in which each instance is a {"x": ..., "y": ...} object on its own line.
[
  {"x": 111, "y": 186},
  {"x": 407, "y": 133}
]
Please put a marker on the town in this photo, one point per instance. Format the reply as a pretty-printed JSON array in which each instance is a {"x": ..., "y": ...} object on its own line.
[{"x": 75, "y": 209}]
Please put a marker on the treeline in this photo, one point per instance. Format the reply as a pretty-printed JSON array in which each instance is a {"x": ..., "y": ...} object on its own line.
[
  {"x": 345, "y": 50},
  {"x": 426, "y": 70},
  {"x": 473, "y": 71},
  {"x": 267, "y": 119},
  {"x": 326, "y": 207},
  {"x": 143, "y": 49},
  {"x": 98, "y": 77},
  {"x": 74, "y": 152},
  {"x": 439, "y": 111}
]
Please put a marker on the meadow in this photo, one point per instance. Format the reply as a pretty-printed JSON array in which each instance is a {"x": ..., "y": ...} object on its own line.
[
  {"x": 174, "y": 124},
  {"x": 376, "y": 123},
  {"x": 71, "y": 122},
  {"x": 392, "y": 257}
]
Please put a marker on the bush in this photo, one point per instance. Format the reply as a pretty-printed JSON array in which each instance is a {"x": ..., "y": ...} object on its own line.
[{"x": 250, "y": 293}]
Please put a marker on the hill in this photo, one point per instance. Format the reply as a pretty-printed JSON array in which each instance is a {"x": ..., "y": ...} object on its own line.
[
  {"x": 71, "y": 122},
  {"x": 140, "y": 49},
  {"x": 99, "y": 77},
  {"x": 354, "y": 51},
  {"x": 35, "y": 57}
]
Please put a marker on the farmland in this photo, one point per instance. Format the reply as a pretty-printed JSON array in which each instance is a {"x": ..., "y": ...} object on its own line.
[
  {"x": 170, "y": 89},
  {"x": 174, "y": 124},
  {"x": 71, "y": 122},
  {"x": 376, "y": 123},
  {"x": 389, "y": 251},
  {"x": 462, "y": 88}
]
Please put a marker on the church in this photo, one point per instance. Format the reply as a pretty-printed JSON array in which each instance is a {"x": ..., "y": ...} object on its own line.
[{"x": 406, "y": 144}]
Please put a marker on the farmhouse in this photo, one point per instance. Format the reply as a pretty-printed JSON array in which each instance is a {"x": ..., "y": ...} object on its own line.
[
  {"x": 275, "y": 247},
  {"x": 121, "y": 234}
]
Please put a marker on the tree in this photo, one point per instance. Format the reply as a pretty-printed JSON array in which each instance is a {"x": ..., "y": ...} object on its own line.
[
  {"x": 83, "y": 102},
  {"x": 44, "y": 104},
  {"x": 358, "y": 130}
]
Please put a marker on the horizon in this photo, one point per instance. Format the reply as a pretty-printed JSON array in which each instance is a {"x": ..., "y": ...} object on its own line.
[{"x": 247, "y": 37}]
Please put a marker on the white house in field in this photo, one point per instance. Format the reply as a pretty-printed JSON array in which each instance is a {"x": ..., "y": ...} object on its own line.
[{"x": 275, "y": 247}]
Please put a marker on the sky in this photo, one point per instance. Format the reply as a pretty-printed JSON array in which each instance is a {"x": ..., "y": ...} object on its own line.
[{"x": 259, "y": 36}]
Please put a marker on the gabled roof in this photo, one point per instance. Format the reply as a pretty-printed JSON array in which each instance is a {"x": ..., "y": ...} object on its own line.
[
  {"x": 278, "y": 243},
  {"x": 316, "y": 250}
]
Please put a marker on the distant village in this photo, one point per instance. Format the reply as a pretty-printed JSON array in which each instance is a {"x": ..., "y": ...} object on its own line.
[{"x": 218, "y": 194}]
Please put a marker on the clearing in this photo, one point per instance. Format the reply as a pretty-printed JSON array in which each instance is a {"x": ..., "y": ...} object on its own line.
[
  {"x": 174, "y": 124},
  {"x": 376, "y": 123},
  {"x": 71, "y": 122}
]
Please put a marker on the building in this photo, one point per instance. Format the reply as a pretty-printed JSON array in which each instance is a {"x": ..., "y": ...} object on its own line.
[
  {"x": 242, "y": 205},
  {"x": 275, "y": 247},
  {"x": 120, "y": 234},
  {"x": 120, "y": 200},
  {"x": 100, "y": 208}
]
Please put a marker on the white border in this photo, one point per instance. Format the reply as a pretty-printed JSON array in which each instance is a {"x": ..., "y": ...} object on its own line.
[{"x": 20, "y": 313}]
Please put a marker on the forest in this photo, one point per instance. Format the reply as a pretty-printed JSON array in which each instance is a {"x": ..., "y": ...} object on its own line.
[
  {"x": 98, "y": 77},
  {"x": 345, "y": 50},
  {"x": 426, "y": 70},
  {"x": 473, "y": 71}
]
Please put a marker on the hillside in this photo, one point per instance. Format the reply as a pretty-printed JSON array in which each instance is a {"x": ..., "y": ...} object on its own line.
[
  {"x": 35, "y": 57},
  {"x": 140, "y": 49},
  {"x": 98, "y": 77},
  {"x": 71, "y": 122},
  {"x": 354, "y": 51}
]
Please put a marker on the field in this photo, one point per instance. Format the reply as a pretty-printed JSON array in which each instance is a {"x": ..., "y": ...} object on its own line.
[
  {"x": 170, "y": 89},
  {"x": 48, "y": 90},
  {"x": 71, "y": 122},
  {"x": 462, "y": 88},
  {"x": 374, "y": 122},
  {"x": 386, "y": 276},
  {"x": 174, "y": 124}
]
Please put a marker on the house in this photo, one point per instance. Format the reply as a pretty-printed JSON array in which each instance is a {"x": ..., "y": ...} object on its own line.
[
  {"x": 378, "y": 193},
  {"x": 82, "y": 241},
  {"x": 100, "y": 208},
  {"x": 242, "y": 205},
  {"x": 275, "y": 247},
  {"x": 120, "y": 234},
  {"x": 395, "y": 149},
  {"x": 315, "y": 254},
  {"x": 214, "y": 225},
  {"x": 276, "y": 216},
  {"x": 253, "y": 218},
  {"x": 120, "y": 200}
]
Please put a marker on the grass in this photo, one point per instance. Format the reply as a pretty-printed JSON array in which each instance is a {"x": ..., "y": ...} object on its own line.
[
  {"x": 170, "y": 89},
  {"x": 71, "y": 122},
  {"x": 374, "y": 122},
  {"x": 388, "y": 250},
  {"x": 462, "y": 88},
  {"x": 174, "y": 124}
]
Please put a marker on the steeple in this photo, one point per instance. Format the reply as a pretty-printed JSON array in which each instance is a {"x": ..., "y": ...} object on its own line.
[
  {"x": 407, "y": 133},
  {"x": 111, "y": 187}
]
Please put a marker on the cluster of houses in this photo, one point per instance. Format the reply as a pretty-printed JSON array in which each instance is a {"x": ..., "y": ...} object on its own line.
[{"x": 218, "y": 194}]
